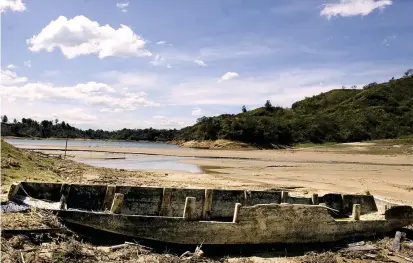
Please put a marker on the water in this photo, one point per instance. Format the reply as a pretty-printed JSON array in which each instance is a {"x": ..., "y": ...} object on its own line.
[
  {"x": 131, "y": 161},
  {"x": 145, "y": 162},
  {"x": 89, "y": 143}
]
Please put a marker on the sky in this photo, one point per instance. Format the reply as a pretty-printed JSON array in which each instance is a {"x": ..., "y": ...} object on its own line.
[{"x": 106, "y": 64}]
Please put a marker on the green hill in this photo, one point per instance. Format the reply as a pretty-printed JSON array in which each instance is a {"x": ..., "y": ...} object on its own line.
[
  {"x": 19, "y": 165},
  {"x": 378, "y": 111}
]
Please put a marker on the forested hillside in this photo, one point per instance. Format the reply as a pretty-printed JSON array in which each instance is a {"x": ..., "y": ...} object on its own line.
[
  {"x": 378, "y": 111},
  {"x": 55, "y": 129}
]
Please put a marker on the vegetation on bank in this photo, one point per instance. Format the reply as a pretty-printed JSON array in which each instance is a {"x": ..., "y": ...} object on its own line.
[
  {"x": 55, "y": 129},
  {"x": 18, "y": 165},
  {"x": 377, "y": 111}
]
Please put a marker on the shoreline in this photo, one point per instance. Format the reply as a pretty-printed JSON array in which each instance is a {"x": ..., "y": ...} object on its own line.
[
  {"x": 79, "y": 139},
  {"x": 267, "y": 155},
  {"x": 308, "y": 171}
]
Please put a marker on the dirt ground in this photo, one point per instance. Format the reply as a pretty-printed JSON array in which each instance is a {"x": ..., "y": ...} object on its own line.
[{"x": 305, "y": 170}]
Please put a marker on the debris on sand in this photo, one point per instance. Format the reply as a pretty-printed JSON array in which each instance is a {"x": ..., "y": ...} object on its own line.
[
  {"x": 29, "y": 220},
  {"x": 312, "y": 257}
]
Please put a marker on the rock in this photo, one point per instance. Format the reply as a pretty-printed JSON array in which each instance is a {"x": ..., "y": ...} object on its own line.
[{"x": 13, "y": 162}]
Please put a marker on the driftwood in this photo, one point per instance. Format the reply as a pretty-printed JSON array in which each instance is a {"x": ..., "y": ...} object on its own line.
[
  {"x": 361, "y": 243},
  {"x": 395, "y": 257},
  {"x": 396, "y": 242},
  {"x": 116, "y": 247},
  {"x": 197, "y": 253},
  {"x": 126, "y": 244},
  {"x": 360, "y": 248},
  {"x": 405, "y": 257},
  {"x": 138, "y": 245},
  {"x": 22, "y": 257}
]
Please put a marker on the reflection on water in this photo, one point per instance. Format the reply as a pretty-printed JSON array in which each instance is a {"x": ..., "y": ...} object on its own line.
[{"x": 144, "y": 162}]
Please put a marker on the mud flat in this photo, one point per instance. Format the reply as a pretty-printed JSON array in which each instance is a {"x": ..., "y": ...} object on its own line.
[{"x": 304, "y": 170}]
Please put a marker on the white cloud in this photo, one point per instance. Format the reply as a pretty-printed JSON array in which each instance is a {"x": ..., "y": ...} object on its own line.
[
  {"x": 228, "y": 76},
  {"x": 12, "y": 5},
  {"x": 388, "y": 40},
  {"x": 163, "y": 42},
  {"x": 123, "y": 6},
  {"x": 11, "y": 66},
  {"x": 28, "y": 63},
  {"x": 133, "y": 79},
  {"x": 348, "y": 8},
  {"x": 76, "y": 115},
  {"x": 200, "y": 63},
  {"x": 69, "y": 115},
  {"x": 160, "y": 61},
  {"x": 165, "y": 121},
  {"x": 90, "y": 93},
  {"x": 196, "y": 112},
  {"x": 10, "y": 78},
  {"x": 81, "y": 36}
]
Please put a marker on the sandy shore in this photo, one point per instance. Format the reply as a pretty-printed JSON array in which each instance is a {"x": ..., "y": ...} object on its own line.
[{"x": 304, "y": 171}]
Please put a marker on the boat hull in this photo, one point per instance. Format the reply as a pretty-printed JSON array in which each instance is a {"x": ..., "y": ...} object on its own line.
[
  {"x": 258, "y": 224},
  {"x": 215, "y": 216}
]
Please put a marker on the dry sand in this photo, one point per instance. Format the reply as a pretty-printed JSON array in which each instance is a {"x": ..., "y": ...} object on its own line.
[{"x": 303, "y": 171}]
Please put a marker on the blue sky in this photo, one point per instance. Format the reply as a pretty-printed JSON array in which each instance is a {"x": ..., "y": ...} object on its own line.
[{"x": 163, "y": 64}]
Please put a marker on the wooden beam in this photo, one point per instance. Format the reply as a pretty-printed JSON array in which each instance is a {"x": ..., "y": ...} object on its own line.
[
  {"x": 117, "y": 203},
  {"x": 236, "y": 213},
  {"x": 64, "y": 195},
  {"x": 166, "y": 202},
  {"x": 356, "y": 211},
  {"x": 314, "y": 199},
  {"x": 109, "y": 195},
  {"x": 207, "y": 206},
  {"x": 190, "y": 208}
]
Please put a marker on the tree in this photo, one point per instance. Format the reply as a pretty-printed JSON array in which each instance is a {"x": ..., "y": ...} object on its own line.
[
  {"x": 408, "y": 73},
  {"x": 244, "y": 109},
  {"x": 14, "y": 121},
  {"x": 268, "y": 105},
  {"x": 56, "y": 121},
  {"x": 4, "y": 119}
]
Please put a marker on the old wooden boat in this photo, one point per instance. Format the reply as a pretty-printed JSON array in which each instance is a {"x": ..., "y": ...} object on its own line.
[{"x": 212, "y": 216}]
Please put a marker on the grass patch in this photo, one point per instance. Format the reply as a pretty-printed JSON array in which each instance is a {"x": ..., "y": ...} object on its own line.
[
  {"x": 19, "y": 165},
  {"x": 320, "y": 145},
  {"x": 400, "y": 141}
]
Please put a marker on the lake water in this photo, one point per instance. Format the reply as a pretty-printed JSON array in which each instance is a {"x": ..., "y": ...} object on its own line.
[
  {"x": 131, "y": 161},
  {"x": 87, "y": 143},
  {"x": 146, "y": 162}
]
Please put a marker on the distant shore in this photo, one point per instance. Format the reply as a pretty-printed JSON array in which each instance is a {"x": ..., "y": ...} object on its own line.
[
  {"x": 208, "y": 144},
  {"x": 78, "y": 139}
]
